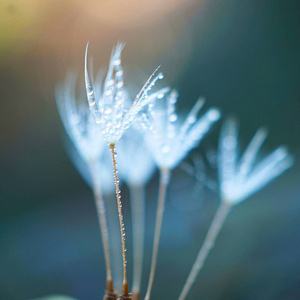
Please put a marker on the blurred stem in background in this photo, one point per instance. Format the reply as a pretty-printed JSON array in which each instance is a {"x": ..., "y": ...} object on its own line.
[
  {"x": 86, "y": 156},
  {"x": 137, "y": 203},
  {"x": 170, "y": 140},
  {"x": 239, "y": 178},
  {"x": 136, "y": 169},
  {"x": 164, "y": 182},
  {"x": 95, "y": 168},
  {"x": 214, "y": 229}
]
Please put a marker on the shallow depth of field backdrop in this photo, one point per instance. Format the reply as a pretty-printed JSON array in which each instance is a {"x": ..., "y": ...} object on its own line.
[{"x": 243, "y": 56}]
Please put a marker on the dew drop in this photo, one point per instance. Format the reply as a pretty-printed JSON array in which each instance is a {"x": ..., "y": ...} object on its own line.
[
  {"x": 173, "y": 118},
  {"x": 120, "y": 84},
  {"x": 214, "y": 114},
  {"x": 90, "y": 91},
  {"x": 173, "y": 100},
  {"x": 119, "y": 73},
  {"x": 192, "y": 119},
  {"x": 117, "y": 62},
  {"x": 108, "y": 110},
  {"x": 110, "y": 82}
]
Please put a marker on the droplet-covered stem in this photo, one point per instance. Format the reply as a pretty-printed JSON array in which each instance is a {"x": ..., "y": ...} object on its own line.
[
  {"x": 125, "y": 292},
  {"x": 164, "y": 181},
  {"x": 208, "y": 244}
]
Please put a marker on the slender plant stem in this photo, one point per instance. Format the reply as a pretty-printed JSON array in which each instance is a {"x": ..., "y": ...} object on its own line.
[
  {"x": 101, "y": 212},
  {"x": 208, "y": 244},
  {"x": 125, "y": 292},
  {"x": 164, "y": 181},
  {"x": 115, "y": 242},
  {"x": 137, "y": 203}
]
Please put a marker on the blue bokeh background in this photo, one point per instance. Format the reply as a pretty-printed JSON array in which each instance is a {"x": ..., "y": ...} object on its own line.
[{"x": 243, "y": 56}]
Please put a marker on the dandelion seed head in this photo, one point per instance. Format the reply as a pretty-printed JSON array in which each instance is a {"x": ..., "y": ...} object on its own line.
[
  {"x": 77, "y": 120},
  {"x": 240, "y": 178},
  {"x": 108, "y": 106},
  {"x": 168, "y": 137}
]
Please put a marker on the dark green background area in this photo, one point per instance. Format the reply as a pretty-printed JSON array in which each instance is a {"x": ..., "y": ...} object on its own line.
[{"x": 243, "y": 56}]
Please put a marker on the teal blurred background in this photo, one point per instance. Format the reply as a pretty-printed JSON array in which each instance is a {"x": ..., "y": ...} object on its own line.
[{"x": 243, "y": 56}]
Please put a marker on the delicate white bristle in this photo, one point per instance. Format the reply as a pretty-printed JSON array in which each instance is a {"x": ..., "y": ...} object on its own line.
[
  {"x": 78, "y": 121},
  {"x": 108, "y": 108},
  {"x": 168, "y": 139},
  {"x": 240, "y": 179}
]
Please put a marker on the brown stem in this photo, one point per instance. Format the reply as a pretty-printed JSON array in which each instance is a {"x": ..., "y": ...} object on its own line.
[
  {"x": 164, "y": 181},
  {"x": 208, "y": 243},
  {"x": 136, "y": 295},
  {"x": 125, "y": 292},
  {"x": 109, "y": 293}
]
